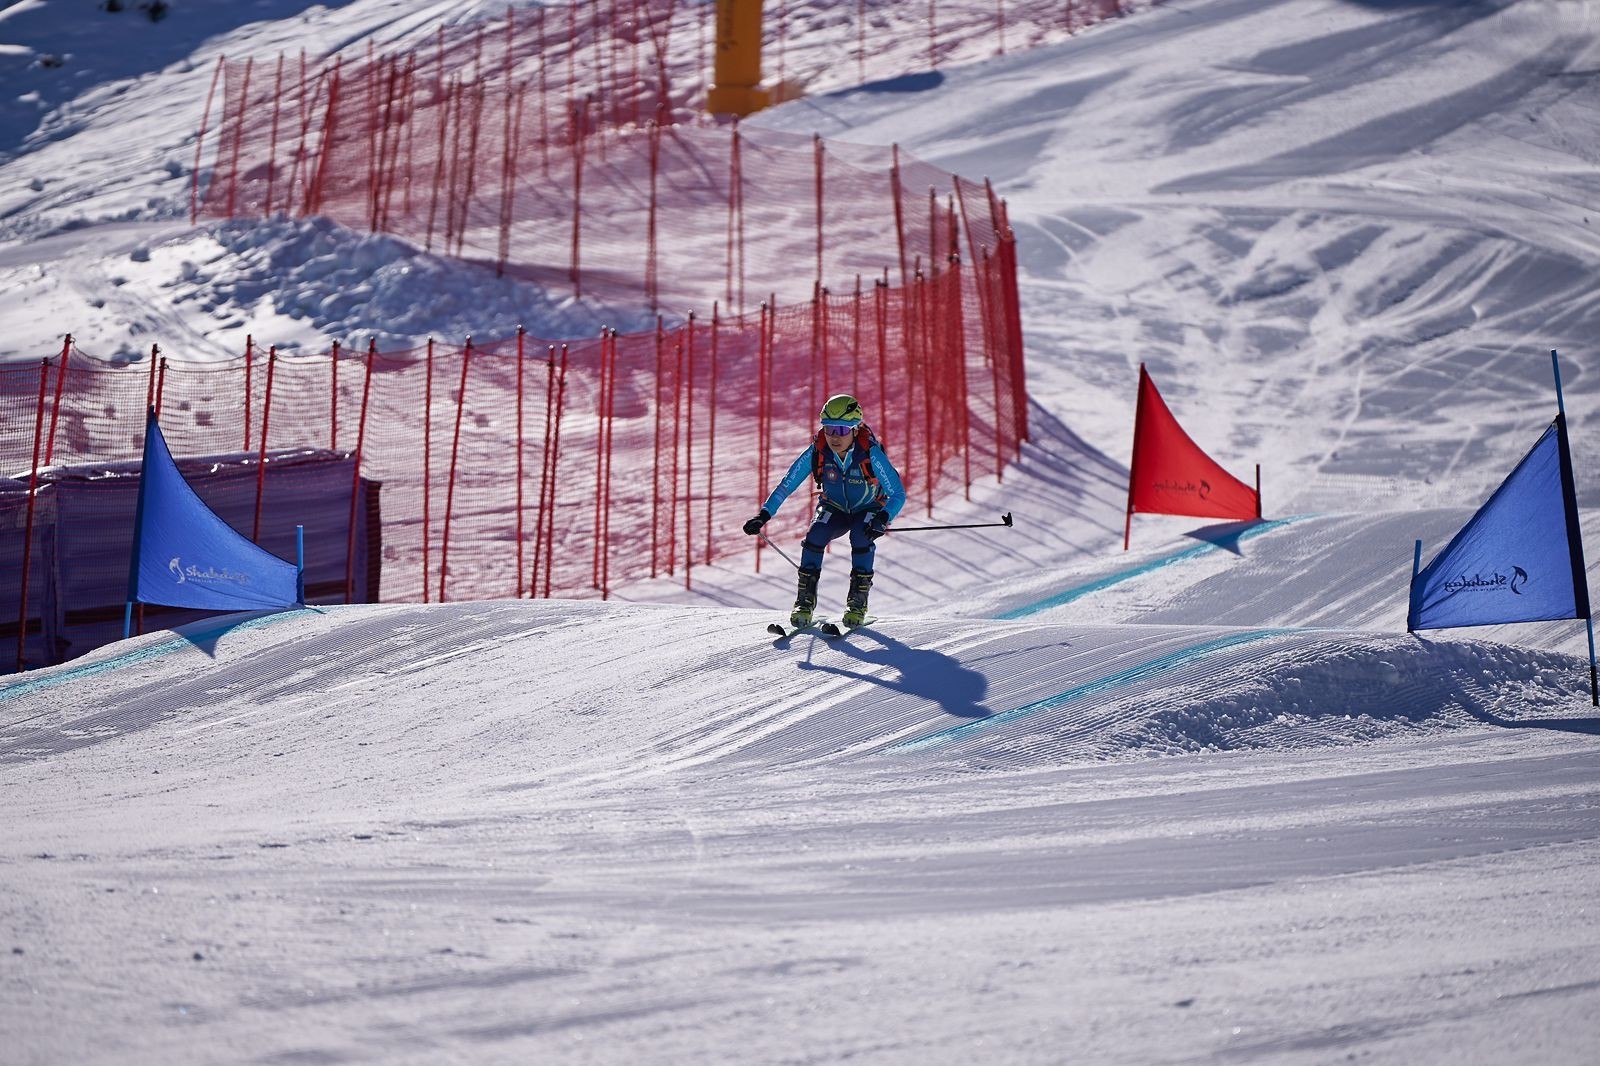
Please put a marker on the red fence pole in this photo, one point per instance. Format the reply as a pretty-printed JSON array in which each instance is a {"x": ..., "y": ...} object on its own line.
[
  {"x": 325, "y": 148},
  {"x": 355, "y": 478},
  {"x": 261, "y": 459},
  {"x": 655, "y": 476},
  {"x": 996, "y": 350},
  {"x": 555, "y": 458},
  {"x": 958, "y": 334},
  {"x": 816, "y": 153},
  {"x": 651, "y": 290},
  {"x": 520, "y": 335},
  {"x": 27, "y": 536},
  {"x": 599, "y": 466},
  {"x": 455, "y": 452},
  {"x": 446, "y": 96},
  {"x": 608, "y": 424},
  {"x": 899, "y": 213},
  {"x": 855, "y": 341},
  {"x": 676, "y": 420},
  {"x": 238, "y": 137},
  {"x": 761, "y": 414},
  {"x": 544, "y": 470},
  {"x": 199, "y": 143},
  {"x": 735, "y": 214},
  {"x": 929, "y": 470},
  {"x": 687, "y": 418},
  {"x": 427, "y": 463},
  {"x": 816, "y": 347},
  {"x": 272, "y": 149},
  {"x": 611, "y": 426},
  {"x": 880, "y": 309},
  {"x": 711, "y": 443},
  {"x": 55, "y": 409}
]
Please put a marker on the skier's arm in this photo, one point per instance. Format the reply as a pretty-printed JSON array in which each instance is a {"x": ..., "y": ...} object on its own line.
[
  {"x": 888, "y": 482},
  {"x": 799, "y": 473}
]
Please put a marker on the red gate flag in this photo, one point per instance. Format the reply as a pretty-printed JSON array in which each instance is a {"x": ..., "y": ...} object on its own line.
[{"x": 1171, "y": 475}]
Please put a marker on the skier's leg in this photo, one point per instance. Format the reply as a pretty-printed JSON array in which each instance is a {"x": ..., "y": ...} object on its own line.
[
  {"x": 805, "y": 598},
  {"x": 826, "y": 528},
  {"x": 829, "y": 526},
  {"x": 862, "y": 551}
]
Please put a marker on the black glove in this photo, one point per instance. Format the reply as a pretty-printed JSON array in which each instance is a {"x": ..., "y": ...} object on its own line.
[
  {"x": 752, "y": 527},
  {"x": 877, "y": 525}
]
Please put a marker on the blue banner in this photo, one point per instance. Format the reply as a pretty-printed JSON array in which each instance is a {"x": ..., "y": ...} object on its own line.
[
  {"x": 185, "y": 556},
  {"x": 1520, "y": 558}
]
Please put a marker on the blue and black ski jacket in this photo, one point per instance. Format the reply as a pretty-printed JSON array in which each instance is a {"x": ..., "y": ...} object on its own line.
[{"x": 845, "y": 486}]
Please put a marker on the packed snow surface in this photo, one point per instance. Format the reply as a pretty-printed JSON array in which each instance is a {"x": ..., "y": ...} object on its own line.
[{"x": 1203, "y": 801}]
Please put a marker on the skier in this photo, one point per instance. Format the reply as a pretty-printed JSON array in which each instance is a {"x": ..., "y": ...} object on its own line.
[{"x": 860, "y": 495}]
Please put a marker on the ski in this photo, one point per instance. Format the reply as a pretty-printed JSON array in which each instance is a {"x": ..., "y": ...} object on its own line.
[
  {"x": 839, "y": 629},
  {"x": 778, "y": 629}
]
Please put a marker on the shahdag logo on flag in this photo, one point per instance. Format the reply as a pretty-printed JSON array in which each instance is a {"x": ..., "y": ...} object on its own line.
[
  {"x": 1519, "y": 559},
  {"x": 186, "y": 556}
]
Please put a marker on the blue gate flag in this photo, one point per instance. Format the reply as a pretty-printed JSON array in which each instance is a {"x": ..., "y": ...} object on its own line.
[
  {"x": 185, "y": 556},
  {"x": 1519, "y": 559}
]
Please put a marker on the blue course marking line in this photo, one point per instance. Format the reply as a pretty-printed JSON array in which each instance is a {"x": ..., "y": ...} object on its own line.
[
  {"x": 1079, "y": 591},
  {"x": 1132, "y": 674},
  {"x": 18, "y": 689}
]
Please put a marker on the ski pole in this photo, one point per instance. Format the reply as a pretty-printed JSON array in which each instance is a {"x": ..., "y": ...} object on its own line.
[
  {"x": 1005, "y": 520},
  {"x": 780, "y": 551}
]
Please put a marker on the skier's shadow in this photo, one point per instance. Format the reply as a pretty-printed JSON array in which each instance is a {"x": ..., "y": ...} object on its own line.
[{"x": 928, "y": 675}]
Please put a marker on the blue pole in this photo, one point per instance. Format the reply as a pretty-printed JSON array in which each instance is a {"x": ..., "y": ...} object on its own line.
[
  {"x": 127, "y": 623},
  {"x": 1594, "y": 675},
  {"x": 300, "y": 564},
  {"x": 1594, "y": 682},
  {"x": 1561, "y": 406}
]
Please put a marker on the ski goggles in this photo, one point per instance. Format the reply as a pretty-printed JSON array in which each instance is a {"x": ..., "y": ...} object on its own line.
[{"x": 838, "y": 431}]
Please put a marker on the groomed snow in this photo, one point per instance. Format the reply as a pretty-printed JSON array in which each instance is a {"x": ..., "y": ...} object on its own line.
[{"x": 1203, "y": 801}]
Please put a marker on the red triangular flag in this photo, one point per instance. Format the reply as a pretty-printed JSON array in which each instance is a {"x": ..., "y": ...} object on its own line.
[{"x": 1171, "y": 475}]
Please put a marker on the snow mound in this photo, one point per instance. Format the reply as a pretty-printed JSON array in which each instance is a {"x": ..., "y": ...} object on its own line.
[
  {"x": 1344, "y": 691},
  {"x": 341, "y": 283}
]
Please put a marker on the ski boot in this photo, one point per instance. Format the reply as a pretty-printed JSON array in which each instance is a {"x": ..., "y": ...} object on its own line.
[
  {"x": 855, "y": 604},
  {"x": 805, "y": 598}
]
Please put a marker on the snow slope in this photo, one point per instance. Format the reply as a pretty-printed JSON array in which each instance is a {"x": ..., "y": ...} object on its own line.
[
  {"x": 505, "y": 831},
  {"x": 1200, "y": 802}
]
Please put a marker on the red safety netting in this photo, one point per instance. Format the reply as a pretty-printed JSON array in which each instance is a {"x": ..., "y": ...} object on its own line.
[
  {"x": 537, "y": 146},
  {"x": 530, "y": 468},
  {"x": 538, "y": 468}
]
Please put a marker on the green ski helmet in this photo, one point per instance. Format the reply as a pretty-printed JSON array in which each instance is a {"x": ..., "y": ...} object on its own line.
[{"x": 841, "y": 411}]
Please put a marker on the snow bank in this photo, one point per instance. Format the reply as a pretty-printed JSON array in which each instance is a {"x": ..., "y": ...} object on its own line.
[
  {"x": 1349, "y": 690},
  {"x": 344, "y": 283}
]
